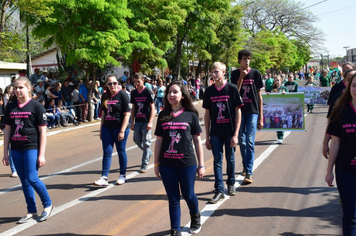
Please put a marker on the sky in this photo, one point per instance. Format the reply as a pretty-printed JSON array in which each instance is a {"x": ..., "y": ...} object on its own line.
[{"x": 337, "y": 19}]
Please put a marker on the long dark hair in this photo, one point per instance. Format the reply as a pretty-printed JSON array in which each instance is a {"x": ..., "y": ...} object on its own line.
[
  {"x": 341, "y": 102},
  {"x": 186, "y": 101},
  {"x": 106, "y": 96}
]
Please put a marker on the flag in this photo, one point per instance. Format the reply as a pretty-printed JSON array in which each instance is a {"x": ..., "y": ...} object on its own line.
[{"x": 339, "y": 68}]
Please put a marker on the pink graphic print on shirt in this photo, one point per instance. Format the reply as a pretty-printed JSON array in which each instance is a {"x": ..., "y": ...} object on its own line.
[
  {"x": 222, "y": 108},
  {"x": 175, "y": 138},
  {"x": 19, "y": 124}
]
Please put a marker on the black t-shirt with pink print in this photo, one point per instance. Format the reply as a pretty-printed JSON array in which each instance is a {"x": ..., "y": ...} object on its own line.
[
  {"x": 177, "y": 134},
  {"x": 24, "y": 120},
  {"x": 345, "y": 129},
  {"x": 142, "y": 100},
  {"x": 115, "y": 110},
  {"x": 221, "y": 104},
  {"x": 250, "y": 88}
]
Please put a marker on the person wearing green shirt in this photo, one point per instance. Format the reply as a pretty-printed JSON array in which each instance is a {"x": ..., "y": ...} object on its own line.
[
  {"x": 269, "y": 83},
  {"x": 291, "y": 85},
  {"x": 325, "y": 79},
  {"x": 278, "y": 87},
  {"x": 311, "y": 84}
]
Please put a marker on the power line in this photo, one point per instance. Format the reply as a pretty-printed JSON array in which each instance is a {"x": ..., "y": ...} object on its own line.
[
  {"x": 337, "y": 10},
  {"x": 314, "y": 4}
]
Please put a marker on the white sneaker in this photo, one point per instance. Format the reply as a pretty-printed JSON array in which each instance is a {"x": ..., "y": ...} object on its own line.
[
  {"x": 102, "y": 182},
  {"x": 121, "y": 180},
  {"x": 279, "y": 141}
]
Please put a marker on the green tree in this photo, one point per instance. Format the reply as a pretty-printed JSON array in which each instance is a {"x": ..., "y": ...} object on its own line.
[{"x": 92, "y": 34}]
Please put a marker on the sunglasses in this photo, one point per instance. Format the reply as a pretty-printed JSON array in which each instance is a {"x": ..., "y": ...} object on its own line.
[{"x": 113, "y": 83}]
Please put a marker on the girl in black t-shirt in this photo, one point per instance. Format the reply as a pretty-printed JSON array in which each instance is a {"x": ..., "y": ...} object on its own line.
[
  {"x": 174, "y": 161},
  {"x": 114, "y": 129},
  {"x": 25, "y": 128},
  {"x": 342, "y": 154}
]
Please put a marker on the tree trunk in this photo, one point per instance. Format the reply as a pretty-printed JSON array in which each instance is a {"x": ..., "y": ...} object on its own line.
[
  {"x": 5, "y": 5},
  {"x": 178, "y": 57},
  {"x": 198, "y": 71},
  {"x": 90, "y": 92}
]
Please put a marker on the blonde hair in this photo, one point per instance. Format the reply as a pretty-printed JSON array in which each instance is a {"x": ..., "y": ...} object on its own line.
[
  {"x": 27, "y": 83},
  {"x": 218, "y": 65}
]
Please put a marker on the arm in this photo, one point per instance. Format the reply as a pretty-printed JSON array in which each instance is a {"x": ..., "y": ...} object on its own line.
[
  {"x": 152, "y": 114},
  {"x": 334, "y": 149},
  {"x": 260, "y": 107},
  {"x": 158, "y": 146},
  {"x": 207, "y": 128},
  {"x": 199, "y": 152},
  {"x": 125, "y": 122},
  {"x": 42, "y": 145},
  {"x": 52, "y": 95},
  {"x": 327, "y": 137},
  {"x": 234, "y": 139},
  {"x": 133, "y": 117},
  {"x": 243, "y": 74},
  {"x": 7, "y": 134}
]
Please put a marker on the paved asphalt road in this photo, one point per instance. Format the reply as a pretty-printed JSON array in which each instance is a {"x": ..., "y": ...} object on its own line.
[{"x": 288, "y": 197}]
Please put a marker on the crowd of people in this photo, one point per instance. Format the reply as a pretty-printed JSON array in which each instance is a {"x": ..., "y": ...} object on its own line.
[{"x": 233, "y": 113}]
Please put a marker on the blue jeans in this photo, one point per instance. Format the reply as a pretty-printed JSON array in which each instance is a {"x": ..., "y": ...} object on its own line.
[
  {"x": 96, "y": 109},
  {"x": 346, "y": 184},
  {"x": 217, "y": 144},
  {"x": 247, "y": 135},
  {"x": 27, "y": 169},
  {"x": 159, "y": 104},
  {"x": 52, "y": 120},
  {"x": 183, "y": 178},
  {"x": 142, "y": 138},
  {"x": 69, "y": 106},
  {"x": 108, "y": 138},
  {"x": 11, "y": 162}
]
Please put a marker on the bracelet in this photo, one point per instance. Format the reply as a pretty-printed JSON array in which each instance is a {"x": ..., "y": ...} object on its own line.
[
  {"x": 156, "y": 164},
  {"x": 122, "y": 132},
  {"x": 199, "y": 166}
]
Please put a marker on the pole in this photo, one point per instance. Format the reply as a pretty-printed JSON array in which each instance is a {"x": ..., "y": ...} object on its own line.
[
  {"x": 346, "y": 59},
  {"x": 28, "y": 52}
]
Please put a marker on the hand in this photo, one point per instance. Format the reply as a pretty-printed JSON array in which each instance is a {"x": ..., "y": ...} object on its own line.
[
  {"x": 201, "y": 172},
  {"x": 243, "y": 73},
  {"x": 157, "y": 172},
  {"x": 149, "y": 126},
  {"x": 132, "y": 126},
  {"x": 100, "y": 135},
  {"x": 326, "y": 151},
  {"x": 41, "y": 161},
  {"x": 5, "y": 160},
  {"x": 260, "y": 125},
  {"x": 267, "y": 93},
  {"x": 329, "y": 179},
  {"x": 121, "y": 136},
  {"x": 233, "y": 141},
  {"x": 207, "y": 144}
]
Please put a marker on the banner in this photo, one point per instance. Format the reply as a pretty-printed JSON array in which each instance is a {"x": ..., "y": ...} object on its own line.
[
  {"x": 315, "y": 95},
  {"x": 283, "y": 112}
]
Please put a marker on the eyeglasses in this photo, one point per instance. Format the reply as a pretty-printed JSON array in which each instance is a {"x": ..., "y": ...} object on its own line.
[{"x": 113, "y": 83}]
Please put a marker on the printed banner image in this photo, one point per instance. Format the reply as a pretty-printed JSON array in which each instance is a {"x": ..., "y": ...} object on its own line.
[
  {"x": 315, "y": 95},
  {"x": 283, "y": 112}
]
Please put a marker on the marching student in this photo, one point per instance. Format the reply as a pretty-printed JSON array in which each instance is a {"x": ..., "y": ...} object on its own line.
[
  {"x": 222, "y": 119},
  {"x": 174, "y": 160},
  {"x": 25, "y": 128}
]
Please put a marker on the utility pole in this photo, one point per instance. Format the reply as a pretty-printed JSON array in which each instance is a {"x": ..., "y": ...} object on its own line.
[{"x": 346, "y": 47}]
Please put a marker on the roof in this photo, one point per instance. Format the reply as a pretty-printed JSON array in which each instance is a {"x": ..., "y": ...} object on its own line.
[
  {"x": 43, "y": 53},
  {"x": 12, "y": 66}
]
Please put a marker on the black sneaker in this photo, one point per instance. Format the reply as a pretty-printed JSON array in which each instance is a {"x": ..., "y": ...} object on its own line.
[
  {"x": 248, "y": 179},
  {"x": 231, "y": 190},
  {"x": 217, "y": 197},
  {"x": 175, "y": 232},
  {"x": 195, "y": 225}
]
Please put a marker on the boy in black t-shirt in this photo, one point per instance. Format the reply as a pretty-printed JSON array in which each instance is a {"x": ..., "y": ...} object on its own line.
[
  {"x": 249, "y": 83},
  {"x": 222, "y": 117},
  {"x": 142, "y": 114}
]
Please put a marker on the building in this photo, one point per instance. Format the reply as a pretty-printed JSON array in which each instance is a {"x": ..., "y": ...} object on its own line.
[
  {"x": 351, "y": 55},
  {"x": 7, "y": 70}
]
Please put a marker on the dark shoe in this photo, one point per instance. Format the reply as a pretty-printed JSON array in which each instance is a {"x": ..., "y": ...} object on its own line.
[
  {"x": 175, "y": 232},
  {"x": 244, "y": 172},
  {"x": 27, "y": 217},
  {"x": 248, "y": 179},
  {"x": 231, "y": 190},
  {"x": 217, "y": 197},
  {"x": 45, "y": 215},
  {"x": 195, "y": 225}
]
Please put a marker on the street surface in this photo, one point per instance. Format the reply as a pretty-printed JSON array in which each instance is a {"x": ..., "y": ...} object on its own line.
[{"x": 288, "y": 197}]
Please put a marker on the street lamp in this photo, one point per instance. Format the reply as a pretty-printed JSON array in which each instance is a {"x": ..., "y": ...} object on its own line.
[{"x": 346, "y": 47}]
